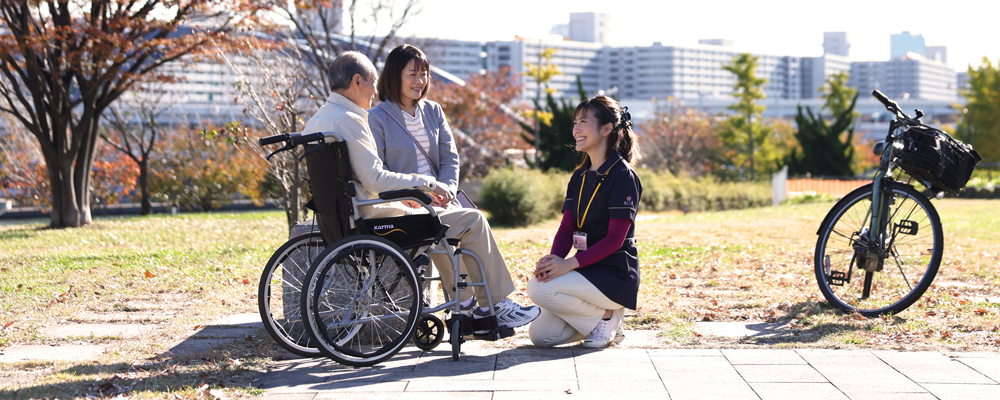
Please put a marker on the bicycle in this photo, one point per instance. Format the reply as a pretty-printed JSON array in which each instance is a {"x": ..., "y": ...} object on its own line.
[{"x": 887, "y": 230}]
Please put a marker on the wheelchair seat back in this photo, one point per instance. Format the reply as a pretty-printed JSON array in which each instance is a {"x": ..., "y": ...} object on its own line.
[{"x": 331, "y": 182}]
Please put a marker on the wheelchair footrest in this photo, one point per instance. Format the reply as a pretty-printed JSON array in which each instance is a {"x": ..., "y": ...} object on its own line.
[
  {"x": 488, "y": 327},
  {"x": 496, "y": 334},
  {"x": 467, "y": 324}
]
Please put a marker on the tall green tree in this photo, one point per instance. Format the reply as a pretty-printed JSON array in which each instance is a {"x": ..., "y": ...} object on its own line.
[
  {"x": 746, "y": 130},
  {"x": 542, "y": 73},
  {"x": 980, "y": 124},
  {"x": 837, "y": 96},
  {"x": 556, "y": 148},
  {"x": 826, "y": 148}
]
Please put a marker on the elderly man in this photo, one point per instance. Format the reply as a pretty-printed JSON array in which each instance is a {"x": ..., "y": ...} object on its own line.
[{"x": 353, "y": 79}]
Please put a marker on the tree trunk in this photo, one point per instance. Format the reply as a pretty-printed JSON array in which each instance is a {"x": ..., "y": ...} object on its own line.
[
  {"x": 147, "y": 205},
  {"x": 65, "y": 211},
  {"x": 82, "y": 172}
]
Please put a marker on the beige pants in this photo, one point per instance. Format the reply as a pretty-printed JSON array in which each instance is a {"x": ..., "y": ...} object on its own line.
[
  {"x": 473, "y": 230},
  {"x": 571, "y": 308}
]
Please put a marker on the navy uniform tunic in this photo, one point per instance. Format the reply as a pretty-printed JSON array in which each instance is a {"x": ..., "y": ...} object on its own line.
[{"x": 617, "y": 275}]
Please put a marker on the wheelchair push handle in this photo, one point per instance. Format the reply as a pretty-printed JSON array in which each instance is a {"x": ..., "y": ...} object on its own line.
[
  {"x": 290, "y": 140},
  {"x": 265, "y": 141}
]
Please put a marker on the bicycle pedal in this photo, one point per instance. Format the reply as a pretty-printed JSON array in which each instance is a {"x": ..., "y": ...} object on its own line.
[
  {"x": 907, "y": 227},
  {"x": 836, "y": 278}
]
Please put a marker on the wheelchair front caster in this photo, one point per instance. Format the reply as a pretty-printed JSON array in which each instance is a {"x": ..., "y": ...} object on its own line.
[
  {"x": 456, "y": 339},
  {"x": 429, "y": 333}
]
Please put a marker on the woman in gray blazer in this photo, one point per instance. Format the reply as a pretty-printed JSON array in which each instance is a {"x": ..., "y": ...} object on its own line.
[{"x": 411, "y": 133}]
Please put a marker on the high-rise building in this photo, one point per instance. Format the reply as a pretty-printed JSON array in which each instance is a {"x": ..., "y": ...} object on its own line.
[
  {"x": 815, "y": 70},
  {"x": 572, "y": 59},
  {"x": 460, "y": 58},
  {"x": 912, "y": 76},
  {"x": 717, "y": 42},
  {"x": 836, "y": 43},
  {"x": 589, "y": 27},
  {"x": 902, "y": 43},
  {"x": 936, "y": 53}
]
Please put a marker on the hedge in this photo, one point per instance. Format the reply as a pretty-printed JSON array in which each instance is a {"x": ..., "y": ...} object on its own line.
[{"x": 520, "y": 197}]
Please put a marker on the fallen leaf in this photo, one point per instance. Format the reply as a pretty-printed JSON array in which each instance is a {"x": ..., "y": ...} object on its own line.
[{"x": 149, "y": 274}]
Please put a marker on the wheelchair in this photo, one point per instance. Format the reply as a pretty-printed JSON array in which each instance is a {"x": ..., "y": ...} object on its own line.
[{"x": 361, "y": 299}]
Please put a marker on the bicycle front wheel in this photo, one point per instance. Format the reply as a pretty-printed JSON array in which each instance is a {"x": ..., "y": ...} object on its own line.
[
  {"x": 279, "y": 293},
  {"x": 890, "y": 276}
]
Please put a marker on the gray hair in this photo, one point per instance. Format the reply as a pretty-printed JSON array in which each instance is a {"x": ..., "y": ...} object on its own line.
[{"x": 344, "y": 67}]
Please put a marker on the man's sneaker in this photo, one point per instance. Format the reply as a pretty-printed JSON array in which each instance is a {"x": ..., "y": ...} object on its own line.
[
  {"x": 509, "y": 314},
  {"x": 606, "y": 332},
  {"x": 465, "y": 310}
]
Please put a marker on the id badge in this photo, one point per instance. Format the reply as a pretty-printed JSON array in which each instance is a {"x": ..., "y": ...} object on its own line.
[{"x": 580, "y": 241}]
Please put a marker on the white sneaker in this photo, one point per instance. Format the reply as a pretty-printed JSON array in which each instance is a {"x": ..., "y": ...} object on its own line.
[
  {"x": 509, "y": 314},
  {"x": 606, "y": 332}
]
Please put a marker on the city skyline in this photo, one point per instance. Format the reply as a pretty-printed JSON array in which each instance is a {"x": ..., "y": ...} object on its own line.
[{"x": 962, "y": 26}]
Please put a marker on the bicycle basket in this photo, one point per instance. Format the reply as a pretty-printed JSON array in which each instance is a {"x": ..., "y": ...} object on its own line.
[{"x": 936, "y": 159}]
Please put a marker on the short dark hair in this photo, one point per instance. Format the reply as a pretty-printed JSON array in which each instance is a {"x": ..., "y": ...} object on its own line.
[
  {"x": 391, "y": 81},
  {"x": 343, "y": 68}
]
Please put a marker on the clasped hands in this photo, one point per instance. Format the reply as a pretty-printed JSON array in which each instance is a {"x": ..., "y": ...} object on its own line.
[{"x": 552, "y": 266}]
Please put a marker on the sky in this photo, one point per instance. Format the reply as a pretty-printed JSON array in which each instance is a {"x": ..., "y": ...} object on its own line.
[{"x": 773, "y": 27}]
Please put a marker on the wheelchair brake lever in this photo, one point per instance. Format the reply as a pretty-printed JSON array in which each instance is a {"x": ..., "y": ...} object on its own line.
[
  {"x": 319, "y": 146},
  {"x": 287, "y": 147}
]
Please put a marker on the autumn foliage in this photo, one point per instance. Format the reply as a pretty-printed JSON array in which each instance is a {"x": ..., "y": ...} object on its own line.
[
  {"x": 484, "y": 110},
  {"x": 200, "y": 170}
]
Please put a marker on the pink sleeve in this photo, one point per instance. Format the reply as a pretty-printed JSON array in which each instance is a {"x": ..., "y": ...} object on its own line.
[
  {"x": 563, "y": 241},
  {"x": 617, "y": 230}
]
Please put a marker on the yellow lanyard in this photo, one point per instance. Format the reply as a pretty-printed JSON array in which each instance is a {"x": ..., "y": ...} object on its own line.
[{"x": 579, "y": 222}]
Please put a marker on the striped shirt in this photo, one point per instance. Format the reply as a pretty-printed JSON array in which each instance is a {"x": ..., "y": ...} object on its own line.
[{"x": 415, "y": 125}]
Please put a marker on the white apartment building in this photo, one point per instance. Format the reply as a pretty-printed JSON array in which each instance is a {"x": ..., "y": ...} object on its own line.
[
  {"x": 911, "y": 76},
  {"x": 572, "y": 58},
  {"x": 459, "y": 58},
  {"x": 203, "y": 92}
]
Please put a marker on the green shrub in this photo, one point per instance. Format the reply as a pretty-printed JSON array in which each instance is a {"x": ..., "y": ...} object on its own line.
[
  {"x": 663, "y": 191},
  {"x": 517, "y": 197}
]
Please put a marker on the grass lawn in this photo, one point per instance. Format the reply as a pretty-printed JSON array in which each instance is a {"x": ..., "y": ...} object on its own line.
[{"x": 186, "y": 270}]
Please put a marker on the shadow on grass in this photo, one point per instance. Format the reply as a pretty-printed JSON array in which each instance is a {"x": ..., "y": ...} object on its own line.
[
  {"x": 220, "y": 356},
  {"x": 798, "y": 327},
  {"x": 161, "y": 376}
]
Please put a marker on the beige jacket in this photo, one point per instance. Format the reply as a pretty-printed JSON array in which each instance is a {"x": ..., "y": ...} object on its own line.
[{"x": 341, "y": 118}]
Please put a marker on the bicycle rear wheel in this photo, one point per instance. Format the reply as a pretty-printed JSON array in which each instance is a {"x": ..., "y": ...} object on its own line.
[
  {"x": 363, "y": 300},
  {"x": 892, "y": 275},
  {"x": 279, "y": 293}
]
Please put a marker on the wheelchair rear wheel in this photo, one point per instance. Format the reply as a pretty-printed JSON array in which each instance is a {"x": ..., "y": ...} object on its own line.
[
  {"x": 362, "y": 300},
  {"x": 279, "y": 293}
]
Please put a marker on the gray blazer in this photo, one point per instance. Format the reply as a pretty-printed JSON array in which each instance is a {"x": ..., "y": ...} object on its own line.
[{"x": 397, "y": 150}]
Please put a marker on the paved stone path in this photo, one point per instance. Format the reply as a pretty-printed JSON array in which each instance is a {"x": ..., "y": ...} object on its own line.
[
  {"x": 487, "y": 372},
  {"x": 515, "y": 370}
]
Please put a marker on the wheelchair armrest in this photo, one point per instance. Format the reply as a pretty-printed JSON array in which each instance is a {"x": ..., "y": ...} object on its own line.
[{"x": 398, "y": 194}]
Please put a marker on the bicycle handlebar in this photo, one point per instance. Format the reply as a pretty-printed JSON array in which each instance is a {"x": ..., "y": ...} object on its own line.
[{"x": 890, "y": 105}]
